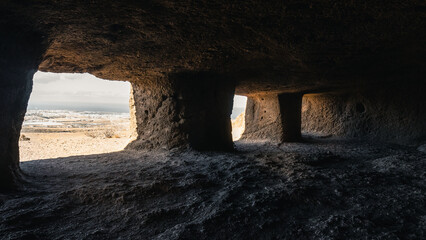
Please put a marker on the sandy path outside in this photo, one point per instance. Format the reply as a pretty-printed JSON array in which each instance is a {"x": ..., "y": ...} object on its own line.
[
  {"x": 45, "y": 142},
  {"x": 54, "y": 145}
]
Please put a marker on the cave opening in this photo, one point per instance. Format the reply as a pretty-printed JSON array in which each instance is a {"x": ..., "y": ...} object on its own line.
[
  {"x": 71, "y": 114},
  {"x": 349, "y": 73},
  {"x": 238, "y": 116}
]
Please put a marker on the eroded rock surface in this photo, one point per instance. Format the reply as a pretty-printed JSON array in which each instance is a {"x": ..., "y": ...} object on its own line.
[
  {"x": 317, "y": 190},
  {"x": 272, "y": 46},
  {"x": 20, "y": 54},
  {"x": 191, "y": 110},
  {"x": 273, "y": 117},
  {"x": 165, "y": 48},
  {"x": 391, "y": 113},
  {"x": 422, "y": 148}
]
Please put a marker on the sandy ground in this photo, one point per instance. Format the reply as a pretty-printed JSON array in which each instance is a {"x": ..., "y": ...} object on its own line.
[
  {"x": 63, "y": 133},
  {"x": 41, "y": 142},
  {"x": 319, "y": 189},
  {"x": 54, "y": 145}
]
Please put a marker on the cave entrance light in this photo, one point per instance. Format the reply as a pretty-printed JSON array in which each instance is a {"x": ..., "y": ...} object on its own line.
[
  {"x": 238, "y": 116},
  {"x": 74, "y": 114}
]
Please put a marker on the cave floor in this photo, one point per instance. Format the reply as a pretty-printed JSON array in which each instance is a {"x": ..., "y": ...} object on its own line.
[{"x": 322, "y": 189}]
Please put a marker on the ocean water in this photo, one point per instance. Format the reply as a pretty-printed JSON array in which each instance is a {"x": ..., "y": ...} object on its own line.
[
  {"x": 115, "y": 108},
  {"x": 46, "y": 114},
  {"x": 70, "y": 118},
  {"x": 119, "y": 108},
  {"x": 60, "y": 115}
]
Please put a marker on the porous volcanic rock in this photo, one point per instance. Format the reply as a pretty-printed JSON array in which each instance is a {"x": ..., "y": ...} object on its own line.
[
  {"x": 323, "y": 189},
  {"x": 273, "y": 117},
  {"x": 253, "y": 48},
  {"x": 191, "y": 110},
  {"x": 390, "y": 113},
  {"x": 20, "y": 54},
  {"x": 265, "y": 46}
]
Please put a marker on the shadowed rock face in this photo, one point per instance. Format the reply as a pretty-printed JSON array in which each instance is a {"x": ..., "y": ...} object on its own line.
[
  {"x": 273, "y": 117},
  {"x": 19, "y": 57},
  {"x": 186, "y": 59},
  {"x": 274, "y": 46},
  {"x": 188, "y": 110},
  {"x": 319, "y": 190},
  {"x": 394, "y": 113}
]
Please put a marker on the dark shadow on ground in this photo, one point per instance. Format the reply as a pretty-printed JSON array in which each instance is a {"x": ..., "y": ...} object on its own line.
[{"x": 324, "y": 189}]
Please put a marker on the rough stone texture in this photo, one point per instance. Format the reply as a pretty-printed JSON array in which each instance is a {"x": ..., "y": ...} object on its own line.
[
  {"x": 262, "y": 118},
  {"x": 265, "y": 46},
  {"x": 318, "y": 190},
  {"x": 193, "y": 110},
  {"x": 132, "y": 113},
  {"x": 20, "y": 54},
  {"x": 273, "y": 117},
  {"x": 392, "y": 113},
  {"x": 184, "y": 59},
  {"x": 422, "y": 148}
]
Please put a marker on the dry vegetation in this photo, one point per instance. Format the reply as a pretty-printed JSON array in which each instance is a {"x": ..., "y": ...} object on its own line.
[
  {"x": 105, "y": 133},
  {"x": 80, "y": 135}
]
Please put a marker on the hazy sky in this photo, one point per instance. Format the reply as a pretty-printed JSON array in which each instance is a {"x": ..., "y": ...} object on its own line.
[
  {"x": 62, "y": 89},
  {"x": 240, "y": 101},
  {"x": 77, "y": 88}
]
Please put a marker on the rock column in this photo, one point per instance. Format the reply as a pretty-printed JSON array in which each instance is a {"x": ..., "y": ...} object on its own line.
[
  {"x": 273, "y": 117},
  {"x": 183, "y": 110},
  {"x": 291, "y": 114},
  {"x": 19, "y": 59}
]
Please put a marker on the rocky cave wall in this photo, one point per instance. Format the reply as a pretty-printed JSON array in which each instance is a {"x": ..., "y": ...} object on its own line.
[
  {"x": 183, "y": 110},
  {"x": 185, "y": 59},
  {"x": 391, "y": 113},
  {"x": 20, "y": 54},
  {"x": 273, "y": 117}
]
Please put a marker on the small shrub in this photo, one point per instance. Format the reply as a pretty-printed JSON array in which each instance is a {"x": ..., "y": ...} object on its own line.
[
  {"x": 109, "y": 133},
  {"x": 24, "y": 138},
  {"x": 90, "y": 134}
]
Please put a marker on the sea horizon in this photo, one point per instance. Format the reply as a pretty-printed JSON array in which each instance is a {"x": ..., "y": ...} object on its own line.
[{"x": 116, "y": 108}]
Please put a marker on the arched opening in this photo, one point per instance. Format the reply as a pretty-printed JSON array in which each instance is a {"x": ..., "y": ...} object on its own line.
[
  {"x": 74, "y": 114},
  {"x": 238, "y": 116}
]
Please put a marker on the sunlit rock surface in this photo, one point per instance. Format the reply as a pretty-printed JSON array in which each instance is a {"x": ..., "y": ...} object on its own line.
[{"x": 238, "y": 126}]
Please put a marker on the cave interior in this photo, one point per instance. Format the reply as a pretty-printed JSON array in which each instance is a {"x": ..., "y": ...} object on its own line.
[{"x": 312, "y": 70}]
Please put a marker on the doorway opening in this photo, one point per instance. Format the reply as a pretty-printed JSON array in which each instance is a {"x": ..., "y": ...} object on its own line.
[
  {"x": 72, "y": 114},
  {"x": 238, "y": 116}
]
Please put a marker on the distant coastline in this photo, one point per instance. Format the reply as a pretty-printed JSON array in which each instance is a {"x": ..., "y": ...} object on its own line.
[{"x": 116, "y": 108}]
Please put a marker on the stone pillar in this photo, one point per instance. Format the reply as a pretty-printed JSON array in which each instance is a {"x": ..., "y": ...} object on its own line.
[
  {"x": 273, "y": 117},
  {"x": 19, "y": 59},
  {"x": 291, "y": 115},
  {"x": 183, "y": 110}
]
